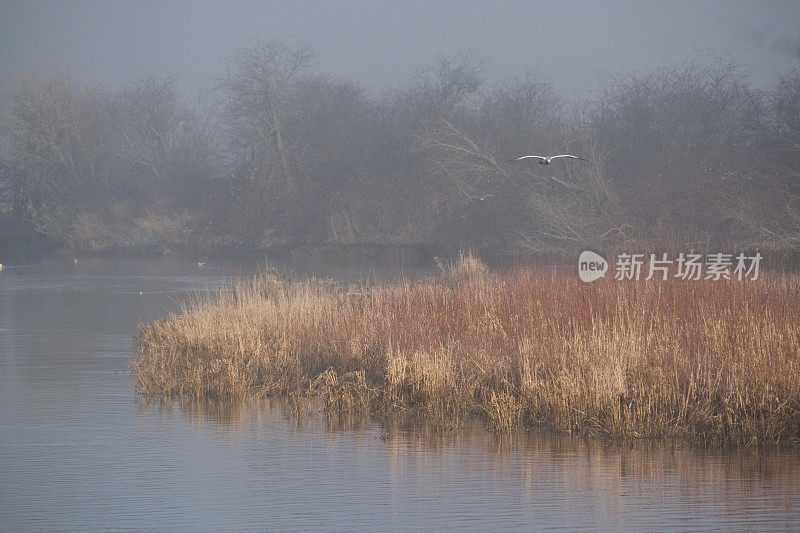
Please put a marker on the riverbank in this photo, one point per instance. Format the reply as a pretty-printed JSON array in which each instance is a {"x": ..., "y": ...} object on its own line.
[
  {"x": 23, "y": 245},
  {"x": 708, "y": 362}
]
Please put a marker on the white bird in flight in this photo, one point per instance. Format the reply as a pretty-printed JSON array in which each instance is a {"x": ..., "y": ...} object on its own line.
[
  {"x": 481, "y": 197},
  {"x": 543, "y": 160}
]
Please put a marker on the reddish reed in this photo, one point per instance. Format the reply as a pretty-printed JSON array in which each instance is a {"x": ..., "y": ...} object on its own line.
[{"x": 712, "y": 362}]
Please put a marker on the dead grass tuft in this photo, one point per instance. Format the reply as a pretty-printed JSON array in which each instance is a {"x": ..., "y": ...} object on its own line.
[{"x": 710, "y": 362}]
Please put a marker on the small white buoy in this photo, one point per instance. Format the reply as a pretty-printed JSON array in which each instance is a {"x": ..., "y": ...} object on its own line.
[{"x": 140, "y": 293}]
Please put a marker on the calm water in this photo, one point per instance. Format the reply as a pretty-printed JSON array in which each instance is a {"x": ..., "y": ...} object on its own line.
[{"x": 79, "y": 451}]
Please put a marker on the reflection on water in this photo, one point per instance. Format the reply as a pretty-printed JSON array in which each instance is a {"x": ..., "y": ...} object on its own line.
[{"x": 79, "y": 451}]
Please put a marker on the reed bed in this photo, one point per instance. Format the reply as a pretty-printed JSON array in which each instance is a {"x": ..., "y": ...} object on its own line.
[{"x": 711, "y": 362}]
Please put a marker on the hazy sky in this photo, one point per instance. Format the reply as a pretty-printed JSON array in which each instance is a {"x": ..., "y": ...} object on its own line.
[{"x": 571, "y": 43}]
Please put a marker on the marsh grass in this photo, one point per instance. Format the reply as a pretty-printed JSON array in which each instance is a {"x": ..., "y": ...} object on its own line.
[{"x": 710, "y": 362}]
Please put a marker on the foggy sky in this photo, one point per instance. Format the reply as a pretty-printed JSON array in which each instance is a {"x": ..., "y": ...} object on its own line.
[{"x": 573, "y": 44}]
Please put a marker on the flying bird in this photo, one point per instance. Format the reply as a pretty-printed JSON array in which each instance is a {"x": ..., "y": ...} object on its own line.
[
  {"x": 543, "y": 160},
  {"x": 481, "y": 198}
]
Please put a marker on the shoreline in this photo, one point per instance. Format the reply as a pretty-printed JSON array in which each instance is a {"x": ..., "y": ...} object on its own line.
[{"x": 37, "y": 246}]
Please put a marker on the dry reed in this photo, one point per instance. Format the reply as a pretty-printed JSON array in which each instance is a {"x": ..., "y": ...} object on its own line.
[{"x": 710, "y": 362}]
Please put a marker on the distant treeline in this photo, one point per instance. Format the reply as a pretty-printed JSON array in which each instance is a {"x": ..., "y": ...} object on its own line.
[{"x": 283, "y": 157}]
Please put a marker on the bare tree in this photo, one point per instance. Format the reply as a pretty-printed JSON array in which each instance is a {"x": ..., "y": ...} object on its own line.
[
  {"x": 770, "y": 210},
  {"x": 679, "y": 153},
  {"x": 60, "y": 139},
  {"x": 255, "y": 93}
]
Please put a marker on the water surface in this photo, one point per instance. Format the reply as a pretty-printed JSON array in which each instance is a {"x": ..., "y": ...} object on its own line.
[{"x": 79, "y": 451}]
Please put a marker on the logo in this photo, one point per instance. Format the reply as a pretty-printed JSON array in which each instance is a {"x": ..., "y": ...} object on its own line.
[
  {"x": 685, "y": 266},
  {"x": 591, "y": 266}
]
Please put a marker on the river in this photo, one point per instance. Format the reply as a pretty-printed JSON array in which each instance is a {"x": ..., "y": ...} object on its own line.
[{"x": 79, "y": 451}]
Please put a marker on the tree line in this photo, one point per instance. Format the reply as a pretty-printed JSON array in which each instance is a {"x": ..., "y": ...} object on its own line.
[{"x": 284, "y": 156}]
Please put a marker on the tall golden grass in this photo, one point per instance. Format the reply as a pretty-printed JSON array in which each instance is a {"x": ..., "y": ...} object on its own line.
[{"x": 711, "y": 362}]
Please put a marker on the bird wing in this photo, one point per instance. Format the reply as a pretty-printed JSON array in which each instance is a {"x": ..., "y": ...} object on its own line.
[
  {"x": 527, "y": 157},
  {"x": 567, "y": 155}
]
